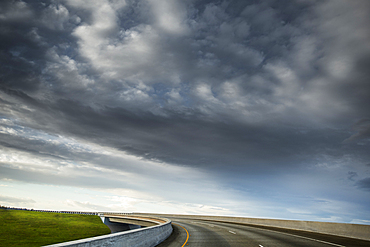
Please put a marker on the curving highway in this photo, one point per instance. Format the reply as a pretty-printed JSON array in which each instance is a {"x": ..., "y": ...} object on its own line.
[{"x": 189, "y": 232}]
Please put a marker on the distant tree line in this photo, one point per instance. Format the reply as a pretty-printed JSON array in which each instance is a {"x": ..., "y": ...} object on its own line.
[
  {"x": 62, "y": 212},
  {"x": 49, "y": 211}
]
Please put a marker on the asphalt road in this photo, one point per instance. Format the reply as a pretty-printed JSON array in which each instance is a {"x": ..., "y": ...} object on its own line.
[{"x": 188, "y": 232}]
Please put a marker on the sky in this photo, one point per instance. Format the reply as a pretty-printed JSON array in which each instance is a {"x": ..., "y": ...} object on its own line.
[{"x": 244, "y": 108}]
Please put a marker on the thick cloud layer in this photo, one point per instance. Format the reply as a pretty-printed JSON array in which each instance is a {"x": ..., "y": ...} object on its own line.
[{"x": 266, "y": 98}]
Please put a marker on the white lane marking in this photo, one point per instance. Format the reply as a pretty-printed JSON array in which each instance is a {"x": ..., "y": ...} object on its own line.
[
  {"x": 312, "y": 239},
  {"x": 232, "y": 232},
  {"x": 324, "y": 242}
]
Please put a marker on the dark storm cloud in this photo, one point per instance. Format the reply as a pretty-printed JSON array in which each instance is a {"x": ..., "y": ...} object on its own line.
[
  {"x": 28, "y": 31},
  {"x": 190, "y": 140},
  {"x": 265, "y": 52},
  {"x": 364, "y": 184},
  {"x": 352, "y": 175},
  {"x": 363, "y": 130}
]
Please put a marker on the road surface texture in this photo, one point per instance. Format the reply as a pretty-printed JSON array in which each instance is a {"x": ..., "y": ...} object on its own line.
[{"x": 189, "y": 232}]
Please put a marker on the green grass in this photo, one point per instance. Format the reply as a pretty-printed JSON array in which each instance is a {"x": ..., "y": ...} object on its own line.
[{"x": 28, "y": 228}]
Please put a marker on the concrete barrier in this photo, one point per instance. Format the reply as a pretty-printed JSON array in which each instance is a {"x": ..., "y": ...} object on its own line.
[
  {"x": 142, "y": 237},
  {"x": 118, "y": 226},
  {"x": 338, "y": 229}
]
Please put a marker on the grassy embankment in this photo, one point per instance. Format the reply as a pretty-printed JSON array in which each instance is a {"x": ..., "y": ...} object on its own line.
[{"x": 27, "y": 228}]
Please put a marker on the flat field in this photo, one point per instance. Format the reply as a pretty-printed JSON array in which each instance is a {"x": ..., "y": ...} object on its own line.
[{"x": 28, "y": 228}]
